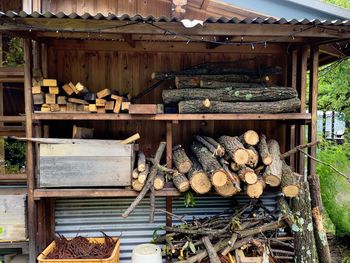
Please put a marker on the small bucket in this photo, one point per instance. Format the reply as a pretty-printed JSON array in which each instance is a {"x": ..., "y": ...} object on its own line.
[{"x": 146, "y": 253}]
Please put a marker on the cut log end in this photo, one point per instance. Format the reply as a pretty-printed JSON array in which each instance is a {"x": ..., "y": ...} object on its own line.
[
  {"x": 206, "y": 103},
  {"x": 136, "y": 185},
  {"x": 256, "y": 190},
  {"x": 290, "y": 191},
  {"x": 219, "y": 178},
  {"x": 251, "y": 137},
  {"x": 227, "y": 189},
  {"x": 267, "y": 160},
  {"x": 200, "y": 183},
  {"x": 159, "y": 181},
  {"x": 272, "y": 180},
  {"x": 184, "y": 167},
  {"x": 250, "y": 178},
  {"x": 241, "y": 156},
  {"x": 181, "y": 183}
]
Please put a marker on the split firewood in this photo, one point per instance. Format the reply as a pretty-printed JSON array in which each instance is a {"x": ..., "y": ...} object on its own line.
[
  {"x": 247, "y": 175},
  {"x": 209, "y": 163},
  {"x": 136, "y": 185},
  {"x": 141, "y": 161},
  {"x": 135, "y": 173},
  {"x": 250, "y": 137},
  {"x": 233, "y": 177},
  {"x": 181, "y": 182},
  {"x": 212, "y": 145},
  {"x": 235, "y": 149},
  {"x": 159, "y": 181},
  {"x": 253, "y": 157},
  {"x": 103, "y": 93},
  {"x": 143, "y": 175},
  {"x": 181, "y": 161},
  {"x": 273, "y": 172},
  {"x": 81, "y": 88},
  {"x": 257, "y": 189},
  {"x": 199, "y": 180},
  {"x": 290, "y": 182},
  {"x": 49, "y": 82},
  {"x": 264, "y": 150}
]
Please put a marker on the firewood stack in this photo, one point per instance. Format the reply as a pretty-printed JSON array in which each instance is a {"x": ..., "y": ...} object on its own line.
[
  {"x": 226, "y": 164},
  {"x": 49, "y": 97},
  {"x": 230, "y": 90}
]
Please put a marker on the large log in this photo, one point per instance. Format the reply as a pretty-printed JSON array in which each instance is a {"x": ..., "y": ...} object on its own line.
[
  {"x": 247, "y": 175},
  {"x": 159, "y": 181},
  {"x": 181, "y": 182},
  {"x": 213, "y": 84},
  {"x": 250, "y": 137},
  {"x": 264, "y": 150},
  {"x": 253, "y": 157},
  {"x": 181, "y": 161},
  {"x": 281, "y": 106},
  {"x": 257, "y": 189},
  {"x": 273, "y": 172},
  {"x": 230, "y": 94},
  {"x": 234, "y": 149},
  {"x": 210, "y": 164},
  {"x": 199, "y": 180},
  {"x": 227, "y": 189},
  {"x": 290, "y": 182},
  {"x": 141, "y": 161}
]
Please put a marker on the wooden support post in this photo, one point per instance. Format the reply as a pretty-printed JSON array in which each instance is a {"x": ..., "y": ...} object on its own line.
[
  {"x": 293, "y": 84},
  {"x": 30, "y": 159},
  {"x": 169, "y": 161},
  {"x": 2, "y": 140},
  {"x": 315, "y": 194}
]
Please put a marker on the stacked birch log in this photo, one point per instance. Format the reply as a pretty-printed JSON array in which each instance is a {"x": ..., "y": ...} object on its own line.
[
  {"x": 240, "y": 91},
  {"x": 227, "y": 164}
]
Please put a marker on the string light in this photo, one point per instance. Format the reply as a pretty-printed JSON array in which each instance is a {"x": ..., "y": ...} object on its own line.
[
  {"x": 253, "y": 47},
  {"x": 265, "y": 44}
]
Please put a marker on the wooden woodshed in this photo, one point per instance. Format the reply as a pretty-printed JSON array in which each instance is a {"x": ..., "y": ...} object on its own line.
[{"x": 120, "y": 45}]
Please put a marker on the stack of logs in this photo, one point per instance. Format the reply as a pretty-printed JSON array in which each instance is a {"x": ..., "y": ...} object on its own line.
[
  {"x": 226, "y": 164},
  {"x": 242, "y": 91},
  {"x": 49, "y": 97}
]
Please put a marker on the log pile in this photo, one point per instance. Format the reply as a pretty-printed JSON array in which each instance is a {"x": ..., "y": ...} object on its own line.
[
  {"x": 227, "y": 91},
  {"x": 251, "y": 234}
]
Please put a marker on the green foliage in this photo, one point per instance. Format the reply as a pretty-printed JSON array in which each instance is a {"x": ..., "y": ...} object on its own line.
[
  {"x": 335, "y": 189},
  {"x": 340, "y": 3},
  {"x": 189, "y": 199},
  {"x": 14, "y": 55},
  {"x": 15, "y": 155}
]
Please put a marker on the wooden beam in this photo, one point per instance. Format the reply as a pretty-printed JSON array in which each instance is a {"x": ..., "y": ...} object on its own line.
[
  {"x": 128, "y": 39},
  {"x": 12, "y": 118},
  {"x": 13, "y": 177},
  {"x": 11, "y": 72},
  {"x": 205, "y": 4}
]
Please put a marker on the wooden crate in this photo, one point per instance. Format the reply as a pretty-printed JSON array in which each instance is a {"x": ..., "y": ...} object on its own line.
[
  {"x": 85, "y": 163},
  {"x": 13, "y": 217},
  {"x": 114, "y": 258}
]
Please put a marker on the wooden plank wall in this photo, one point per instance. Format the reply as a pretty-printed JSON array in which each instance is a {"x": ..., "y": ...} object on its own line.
[{"x": 130, "y": 71}]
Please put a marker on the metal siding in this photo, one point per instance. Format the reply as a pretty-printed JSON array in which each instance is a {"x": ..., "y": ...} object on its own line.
[{"x": 88, "y": 217}]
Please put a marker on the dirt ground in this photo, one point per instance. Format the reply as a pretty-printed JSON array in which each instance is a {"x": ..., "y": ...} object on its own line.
[{"x": 340, "y": 248}]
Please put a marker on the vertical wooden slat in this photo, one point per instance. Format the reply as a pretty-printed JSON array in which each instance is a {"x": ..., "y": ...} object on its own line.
[
  {"x": 169, "y": 161},
  {"x": 2, "y": 140},
  {"x": 293, "y": 84},
  {"x": 30, "y": 158}
]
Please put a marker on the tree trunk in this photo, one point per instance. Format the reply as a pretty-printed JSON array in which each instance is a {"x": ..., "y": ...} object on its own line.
[
  {"x": 209, "y": 163},
  {"x": 253, "y": 157},
  {"x": 257, "y": 189},
  {"x": 181, "y": 161},
  {"x": 264, "y": 150},
  {"x": 282, "y": 106},
  {"x": 247, "y": 175},
  {"x": 181, "y": 183},
  {"x": 234, "y": 149},
  {"x": 290, "y": 182},
  {"x": 212, "y": 84},
  {"x": 217, "y": 149},
  {"x": 273, "y": 172},
  {"x": 159, "y": 181},
  {"x": 199, "y": 180},
  {"x": 250, "y": 137},
  {"x": 230, "y": 94},
  {"x": 141, "y": 161}
]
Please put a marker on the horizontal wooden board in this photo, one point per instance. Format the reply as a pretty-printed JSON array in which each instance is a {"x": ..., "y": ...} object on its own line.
[
  {"x": 142, "y": 108},
  {"x": 63, "y": 171}
]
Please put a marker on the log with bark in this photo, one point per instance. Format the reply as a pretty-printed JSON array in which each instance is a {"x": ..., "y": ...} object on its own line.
[
  {"x": 181, "y": 182},
  {"x": 257, "y": 189},
  {"x": 214, "y": 147},
  {"x": 227, "y": 190},
  {"x": 210, "y": 164},
  {"x": 181, "y": 161},
  {"x": 230, "y": 94},
  {"x": 272, "y": 107},
  {"x": 232, "y": 176},
  {"x": 143, "y": 175},
  {"x": 141, "y": 161},
  {"x": 199, "y": 180},
  {"x": 250, "y": 137},
  {"x": 273, "y": 172},
  {"x": 159, "y": 181},
  {"x": 234, "y": 149},
  {"x": 135, "y": 173},
  {"x": 264, "y": 150},
  {"x": 136, "y": 185},
  {"x": 290, "y": 181},
  {"x": 212, "y": 84},
  {"x": 247, "y": 175},
  {"x": 253, "y": 157}
]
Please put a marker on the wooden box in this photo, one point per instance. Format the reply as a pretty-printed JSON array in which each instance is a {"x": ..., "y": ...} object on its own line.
[
  {"x": 85, "y": 163},
  {"x": 12, "y": 217},
  {"x": 114, "y": 258}
]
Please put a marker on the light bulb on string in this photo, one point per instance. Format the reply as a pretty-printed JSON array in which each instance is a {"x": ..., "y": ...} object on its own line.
[{"x": 252, "y": 46}]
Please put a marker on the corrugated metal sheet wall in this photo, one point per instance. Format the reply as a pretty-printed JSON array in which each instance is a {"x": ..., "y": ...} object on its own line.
[{"x": 88, "y": 217}]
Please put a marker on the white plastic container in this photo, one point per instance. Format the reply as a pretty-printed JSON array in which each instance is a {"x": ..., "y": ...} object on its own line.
[{"x": 146, "y": 253}]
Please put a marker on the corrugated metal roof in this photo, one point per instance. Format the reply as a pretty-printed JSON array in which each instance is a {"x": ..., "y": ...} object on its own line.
[{"x": 150, "y": 19}]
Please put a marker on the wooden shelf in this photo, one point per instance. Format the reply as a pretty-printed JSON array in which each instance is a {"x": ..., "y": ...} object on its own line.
[
  {"x": 15, "y": 244},
  {"x": 12, "y": 118},
  {"x": 42, "y": 193},
  {"x": 13, "y": 177},
  {"x": 170, "y": 117}
]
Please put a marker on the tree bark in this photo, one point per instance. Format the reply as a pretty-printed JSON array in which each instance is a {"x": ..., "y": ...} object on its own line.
[
  {"x": 234, "y": 149},
  {"x": 214, "y": 84},
  {"x": 220, "y": 150},
  {"x": 273, "y": 172},
  {"x": 199, "y": 180},
  {"x": 217, "y": 149},
  {"x": 230, "y": 94},
  {"x": 250, "y": 137},
  {"x": 213, "y": 256},
  {"x": 247, "y": 175},
  {"x": 290, "y": 182},
  {"x": 209, "y": 163},
  {"x": 181, "y": 182},
  {"x": 233, "y": 177},
  {"x": 253, "y": 157},
  {"x": 264, "y": 150},
  {"x": 159, "y": 181},
  {"x": 181, "y": 161},
  {"x": 282, "y": 106}
]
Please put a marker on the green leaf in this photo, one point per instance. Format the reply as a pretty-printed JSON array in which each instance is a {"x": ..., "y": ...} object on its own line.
[
  {"x": 185, "y": 246},
  {"x": 192, "y": 248}
]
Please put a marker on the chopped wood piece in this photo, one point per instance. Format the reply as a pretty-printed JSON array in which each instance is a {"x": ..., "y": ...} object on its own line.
[
  {"x": 68, "y": 89},
  {"x": 39, "y": 99},
  {"x": 273, "y": 172},
  {"x": 63, "y": 108},
  {"x": 81, "y": 107},
  {"x": 290, "y": 182},
  {"x": 141, "y": 161},
  {"x": 54, "y": 107},
  {"x": 36, "y": 90},
  {"x": 181, "y": 182},
  {"x": 264, "y": 151},
  {"x": 118, "y": 103},
  {"x": 81, "y": 88},
  {"x": 82, "y": 133},
  {"x": 54, "y": 90},
  {"x": 49, "y": 82},
  {"x": 235, "y": 149},
  {"x": 92, "y": 108},
  {"x": 181, "y": 161},
  {"x": 72, "y": 86},
  {"x": 210, "y": 147},
  {"x": 109, "y": 105},
  {"x": 78, "y": 101},
  {"x": 159, "y": 181},
  {"x": 45, "y": 108},
  {"x": 125, "y": 105},
  {"x": 213, "y": 256},
  {"x": 86, "y": 108},
  {"x": 135, "y": 174},
  {"x": 253, "y": 157},
  {"x": 100, "y": 102},
  {"x": 199, "y": 180},
  {"x": 50, "y": 98},
  {"x": 227, "y": 190},
  {"x": 89, "y": 96},
  {"x": 143, "y": 175},
  {"x": 71, "y": 107},
  {"x": 211, "y": 166},
  {"x": 131, "y": 139},
  {"x": 61, "y": 100},
  {"x": 230, "y": 94},
  {"x": 143, "y": 109},
  {"x": 101, "y": 109},
  {"x": 136, "y": 185},
  {"x": 250, "y": 137},
  {"x": 247, "y": 175},
  {"x": 257, "y": 189},
  {"x": 103, "y": 93},
  {"x": 281, "y": 106}
]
